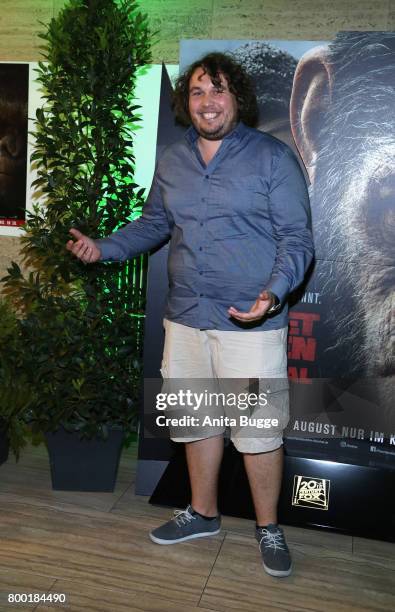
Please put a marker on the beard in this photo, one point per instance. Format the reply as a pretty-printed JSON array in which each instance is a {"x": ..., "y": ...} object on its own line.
[
  {"x": 217, "y": 128},
  {"x": 218, "y": 133}
]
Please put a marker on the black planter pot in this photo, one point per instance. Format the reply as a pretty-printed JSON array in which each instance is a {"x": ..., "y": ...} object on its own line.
[{"x": 84, "y": 465}]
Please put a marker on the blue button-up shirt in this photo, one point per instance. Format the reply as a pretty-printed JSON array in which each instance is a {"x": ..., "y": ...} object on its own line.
[{"x": 237, "y": 226}]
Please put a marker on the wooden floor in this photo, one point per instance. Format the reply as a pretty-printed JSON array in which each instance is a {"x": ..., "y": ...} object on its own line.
[{"x": 94, "y": 548}]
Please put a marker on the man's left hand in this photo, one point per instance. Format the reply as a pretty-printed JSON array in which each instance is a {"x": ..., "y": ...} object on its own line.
[{"x": 258, "y": 310}]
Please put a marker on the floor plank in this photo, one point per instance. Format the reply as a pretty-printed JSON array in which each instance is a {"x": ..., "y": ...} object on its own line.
[
  {"x": 95, "y": 548},
  {"x": 16, "y": 581},
  {"x": 324, "y": 578},
  {"x": 102, "y": 549},
  {"x": 379, "y": 553},
  {"x": 82, "y": 599}
]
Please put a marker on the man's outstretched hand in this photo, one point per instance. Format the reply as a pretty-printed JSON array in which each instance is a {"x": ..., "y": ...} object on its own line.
[
  {"x": 257, "y": 311},
  {"x": 83, "y": 247}
]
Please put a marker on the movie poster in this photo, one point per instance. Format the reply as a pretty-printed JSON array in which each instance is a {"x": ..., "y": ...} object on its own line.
[
  {"x": 333, "y": 104},
  {"x": 14, "y": 88}
]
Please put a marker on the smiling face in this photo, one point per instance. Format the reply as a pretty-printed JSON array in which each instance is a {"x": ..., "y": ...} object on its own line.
[{"x": 213, "y": 109}]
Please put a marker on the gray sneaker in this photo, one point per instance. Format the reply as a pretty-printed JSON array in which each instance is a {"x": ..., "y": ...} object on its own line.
[
  {"x": 185, "y": 525},
  {"x": 274, "y": 550}
]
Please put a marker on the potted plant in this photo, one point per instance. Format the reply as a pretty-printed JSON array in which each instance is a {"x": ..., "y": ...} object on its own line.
[{"x": 81, "y": 325}]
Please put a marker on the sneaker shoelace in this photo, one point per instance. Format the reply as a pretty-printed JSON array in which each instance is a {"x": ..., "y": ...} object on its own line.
[
  {"x": 272, "y": 540},
  {"x": 182, "y": 517}
]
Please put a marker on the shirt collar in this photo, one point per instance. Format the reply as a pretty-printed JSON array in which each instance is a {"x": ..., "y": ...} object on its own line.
[{"x": 238, "y": 131}]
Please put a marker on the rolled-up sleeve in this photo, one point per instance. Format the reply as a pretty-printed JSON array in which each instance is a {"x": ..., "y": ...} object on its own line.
[
  {"x": 140, "y": 236},
  {"x": 291, "y": 221}
]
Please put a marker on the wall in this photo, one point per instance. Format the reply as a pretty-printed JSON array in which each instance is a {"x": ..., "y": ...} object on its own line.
[{"x": 176, "y": 19}]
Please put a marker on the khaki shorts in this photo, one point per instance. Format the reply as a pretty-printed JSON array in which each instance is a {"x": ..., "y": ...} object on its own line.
[{"x": 235, "y": 361}]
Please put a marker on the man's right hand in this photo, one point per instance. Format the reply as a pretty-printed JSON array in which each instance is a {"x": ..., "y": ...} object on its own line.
[{"x": 83, "y": 247}]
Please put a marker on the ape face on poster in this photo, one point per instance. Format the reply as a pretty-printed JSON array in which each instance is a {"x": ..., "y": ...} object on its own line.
[
  {"x": 14, "y": 85},
  {"x": 333, "y": 104}
]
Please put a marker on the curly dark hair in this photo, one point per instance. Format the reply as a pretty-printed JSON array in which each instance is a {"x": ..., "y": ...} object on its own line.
[{"x": 239, "y": 84}]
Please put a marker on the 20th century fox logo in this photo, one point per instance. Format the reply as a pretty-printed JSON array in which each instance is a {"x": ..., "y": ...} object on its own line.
[{"x": 311, "y": 492}]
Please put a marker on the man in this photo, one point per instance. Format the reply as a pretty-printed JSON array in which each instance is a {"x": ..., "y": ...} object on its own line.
[{"x": 234, "y": 204}]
